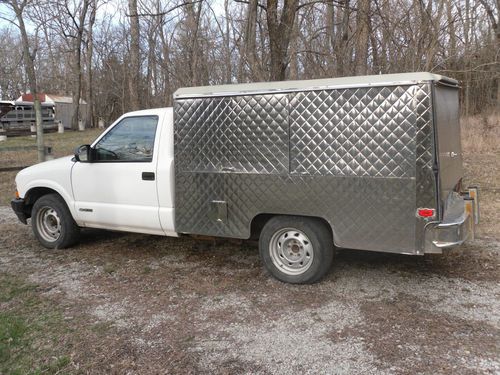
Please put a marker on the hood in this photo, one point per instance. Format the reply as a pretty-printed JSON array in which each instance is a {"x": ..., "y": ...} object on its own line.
[{"x": 46, "y": 174}]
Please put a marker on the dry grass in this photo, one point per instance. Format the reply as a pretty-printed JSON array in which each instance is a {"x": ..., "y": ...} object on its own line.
[
  {"x": 481, "y": 133},
  {"x": 62, "y": 145}
]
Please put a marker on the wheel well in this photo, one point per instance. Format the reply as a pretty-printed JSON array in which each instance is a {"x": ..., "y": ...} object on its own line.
[
  {"x": 34, "y": 194},
  {"x": 260, "y": 220}
]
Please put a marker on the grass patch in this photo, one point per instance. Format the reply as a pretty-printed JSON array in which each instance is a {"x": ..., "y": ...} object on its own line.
[
  {"x": 7, "y": 187},
  {"x": 62, "y": 145},
  {"x": 30, "y": 330},
  {"x": 480, "y": 133},
  {"x": 65, "y": 142}
]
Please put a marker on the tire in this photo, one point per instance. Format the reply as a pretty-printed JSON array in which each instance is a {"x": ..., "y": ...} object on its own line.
[
  {"x": 52, "y": 223},
  {"x": 296, "y": 249}
]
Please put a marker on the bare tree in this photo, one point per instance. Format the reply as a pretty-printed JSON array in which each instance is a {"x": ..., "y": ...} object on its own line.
[
  {"x": 29, "y": 56},
  {"x": 492, "y": 8},
  {"x": 280, "y": 29},
  {"x": 362, "y": 37},
  {"x": 250, "y": 52},
  {"x": 135, "y": 55},
  {"x": 90, "y": 53}
]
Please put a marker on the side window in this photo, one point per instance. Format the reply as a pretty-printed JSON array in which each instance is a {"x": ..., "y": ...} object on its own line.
[{"x": 132, "y": 139}]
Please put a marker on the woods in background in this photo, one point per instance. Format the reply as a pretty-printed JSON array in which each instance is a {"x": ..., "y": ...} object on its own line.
[{"x": 121, "y": 56}]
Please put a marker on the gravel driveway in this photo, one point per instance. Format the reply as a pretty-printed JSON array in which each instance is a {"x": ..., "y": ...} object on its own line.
[{"x": 146, "y": 304}]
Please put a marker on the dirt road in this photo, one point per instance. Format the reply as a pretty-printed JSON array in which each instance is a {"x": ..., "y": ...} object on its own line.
[{"x": 130, "y": 303}]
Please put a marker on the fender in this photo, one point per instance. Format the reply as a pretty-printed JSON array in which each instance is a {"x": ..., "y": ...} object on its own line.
[
  {"x": 54, "y": 175},
  {"x": 67, "y": 196}
]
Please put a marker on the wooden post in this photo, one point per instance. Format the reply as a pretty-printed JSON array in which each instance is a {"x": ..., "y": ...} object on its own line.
[{"x": 33, "y": 130}]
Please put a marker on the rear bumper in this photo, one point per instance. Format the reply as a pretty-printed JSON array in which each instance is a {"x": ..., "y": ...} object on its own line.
[
  {"x": 458, "y": 225},
  {"x": 20, "y": 209}
]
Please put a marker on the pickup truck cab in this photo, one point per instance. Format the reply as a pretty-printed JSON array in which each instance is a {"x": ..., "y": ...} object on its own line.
[{"x": 112, "y": 183}]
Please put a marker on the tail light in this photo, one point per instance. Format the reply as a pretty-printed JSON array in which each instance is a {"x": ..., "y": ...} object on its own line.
[{"x": 426, "y": 212}]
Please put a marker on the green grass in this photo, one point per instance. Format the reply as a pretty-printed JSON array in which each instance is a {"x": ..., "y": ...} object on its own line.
[{"x": 30, "y": 330}]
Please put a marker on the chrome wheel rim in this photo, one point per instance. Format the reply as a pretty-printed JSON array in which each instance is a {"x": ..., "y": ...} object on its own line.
[
  {"x": 291, "y": 251},
  {"x": 48, "y": 224}
]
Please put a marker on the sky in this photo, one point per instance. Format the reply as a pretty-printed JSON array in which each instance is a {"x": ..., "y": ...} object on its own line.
[{"x": 110, "y": 7}]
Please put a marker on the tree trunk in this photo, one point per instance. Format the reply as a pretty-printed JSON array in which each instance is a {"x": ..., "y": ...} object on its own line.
[
  {"x": 294, "y": 63},
  {"x": 341, "y": 54},
  {"x": 495, "y": 25},
  {"x": 29, "y": 66},
  {"x": 90, "y": 52},
  {"x": 363, "y": 27},
  {"x": 280, "y": 31},
  {"x": 165, "y": 67},
  {"x": 77, "y": 67},
  {"x": 227, "y": 46},
  {"x": 135, "y": 64},
  {"x": 193, "y": 25},
  {"x": 330, "y": 34},
  {"x": 250, "y": 51}
]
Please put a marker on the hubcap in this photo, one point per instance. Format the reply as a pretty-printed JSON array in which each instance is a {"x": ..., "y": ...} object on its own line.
[
  {"x": 48, "y": 223},
  {"x": 291, "y": 251}
]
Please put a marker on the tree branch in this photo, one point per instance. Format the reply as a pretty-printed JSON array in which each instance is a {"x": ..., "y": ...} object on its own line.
[
  {"x": 165, "y": 12},
  {"x": 263, "y": 7}
]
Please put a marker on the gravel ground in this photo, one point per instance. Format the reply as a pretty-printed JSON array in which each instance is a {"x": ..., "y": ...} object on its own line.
[{"x": 146, "y": 304}]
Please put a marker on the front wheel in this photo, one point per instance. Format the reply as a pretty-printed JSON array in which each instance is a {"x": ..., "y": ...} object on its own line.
[
  {"x": 296, "y": 250},
  {"x": 53, "y": 224}
]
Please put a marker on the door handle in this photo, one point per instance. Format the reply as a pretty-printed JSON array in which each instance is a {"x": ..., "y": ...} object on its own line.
[{"x": 148, "y": 176}]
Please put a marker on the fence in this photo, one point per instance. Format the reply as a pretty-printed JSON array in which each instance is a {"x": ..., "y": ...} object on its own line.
[{"x": 15, "y": 158}]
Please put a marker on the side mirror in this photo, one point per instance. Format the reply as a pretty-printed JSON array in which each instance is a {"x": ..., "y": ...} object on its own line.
[{"x": 83, "y": 154}]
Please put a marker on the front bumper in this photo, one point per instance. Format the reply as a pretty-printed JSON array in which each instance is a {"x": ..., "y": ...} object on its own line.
[
  {"x": 458, "y": 224},
  {"x": 20, "y": 209}
]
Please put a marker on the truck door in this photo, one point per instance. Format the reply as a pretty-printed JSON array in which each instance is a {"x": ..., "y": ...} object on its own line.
[
  {"x": 448, "y": 135},
  {"x": 117, "y": 190}
]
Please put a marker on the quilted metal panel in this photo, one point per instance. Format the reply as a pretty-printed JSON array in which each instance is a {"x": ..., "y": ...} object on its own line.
[
  {"x": 426, "y": 191},
  {"x": 355, "y": 159},
  {"x": 366, "y": 213},
  {"x": 353, "y": 132},
  {"x": 246, "y": 134},
  {"x": 193, "y": 196},
  {"x": 426, "y": 185}
]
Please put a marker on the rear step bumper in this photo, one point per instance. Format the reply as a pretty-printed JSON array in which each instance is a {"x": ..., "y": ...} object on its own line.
[{"x": 459, "y": 223}]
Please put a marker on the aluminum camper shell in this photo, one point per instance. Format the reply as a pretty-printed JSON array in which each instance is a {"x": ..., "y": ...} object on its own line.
[{"x": 362, "y": 153}]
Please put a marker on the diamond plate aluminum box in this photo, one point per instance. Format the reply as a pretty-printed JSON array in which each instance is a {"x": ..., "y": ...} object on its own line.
[{"x": 361, "y": 158}]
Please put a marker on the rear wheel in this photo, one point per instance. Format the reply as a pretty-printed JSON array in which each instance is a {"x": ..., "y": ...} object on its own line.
[
  {"x": 53, "y": 224},
  {"x": 296, "y": 249}
]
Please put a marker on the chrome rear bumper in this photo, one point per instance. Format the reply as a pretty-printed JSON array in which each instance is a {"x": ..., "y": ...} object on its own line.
[{"x": 458, "y": 224}]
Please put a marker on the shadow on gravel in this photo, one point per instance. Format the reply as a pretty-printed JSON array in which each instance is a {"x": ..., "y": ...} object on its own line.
[{"x": 474, "y": 261}]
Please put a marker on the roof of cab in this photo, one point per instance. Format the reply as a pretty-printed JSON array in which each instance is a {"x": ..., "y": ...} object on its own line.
[{"x": 313, "y": 84}]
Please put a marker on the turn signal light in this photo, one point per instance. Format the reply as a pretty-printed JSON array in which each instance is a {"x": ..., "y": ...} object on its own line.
[
  {"x": 426, "y": 212},
  {"x": 17, "y": 195}
]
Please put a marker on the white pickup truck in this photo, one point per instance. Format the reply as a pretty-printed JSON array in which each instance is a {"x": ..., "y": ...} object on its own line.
[{"x": 369, "y": 163}]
